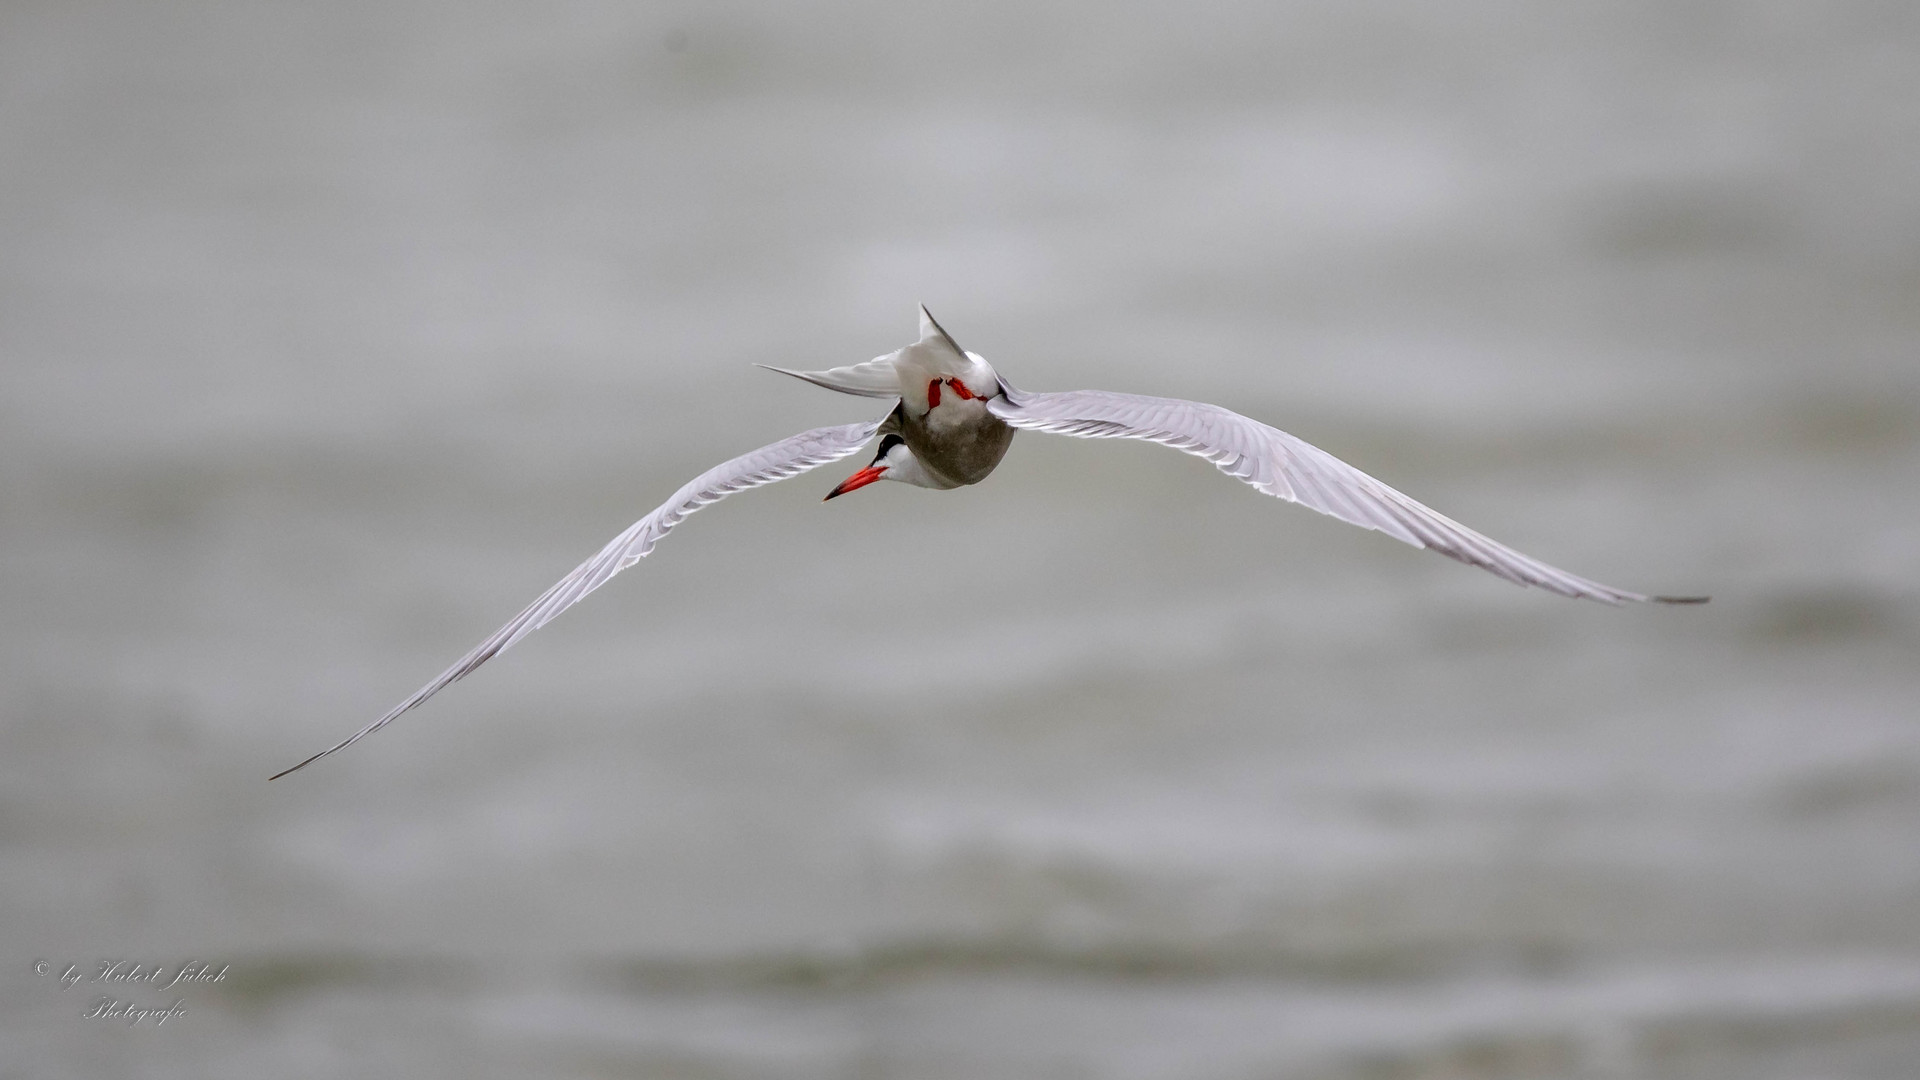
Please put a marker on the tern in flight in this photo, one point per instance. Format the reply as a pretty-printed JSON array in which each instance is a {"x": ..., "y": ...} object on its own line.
[{"x": 952, "y": 420}]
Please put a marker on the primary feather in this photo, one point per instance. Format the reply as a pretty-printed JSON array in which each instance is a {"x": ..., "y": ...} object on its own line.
[
  {"x": 1278, "y": 464},
  {"x": 778, "y": 461}
]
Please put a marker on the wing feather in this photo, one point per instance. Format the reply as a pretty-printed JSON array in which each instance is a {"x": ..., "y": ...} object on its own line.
[
  {"x": 778, "y": 461},
  {"x": 1278, "y": 464}
]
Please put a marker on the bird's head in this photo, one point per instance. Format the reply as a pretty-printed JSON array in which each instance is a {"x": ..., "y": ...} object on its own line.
[{"x": 893, "y": 462}]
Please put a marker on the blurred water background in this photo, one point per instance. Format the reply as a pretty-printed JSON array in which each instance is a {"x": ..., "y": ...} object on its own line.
[{"x": 332, "y": 334}]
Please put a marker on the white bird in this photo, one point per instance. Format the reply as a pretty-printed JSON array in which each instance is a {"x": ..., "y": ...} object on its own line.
[{"x": 952, "y": 422}]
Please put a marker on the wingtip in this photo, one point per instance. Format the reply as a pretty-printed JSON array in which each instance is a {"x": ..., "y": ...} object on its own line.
[
  {"x": 1680, "y": 599},
  {"x": 315, "y": 758},
  {"x": 296, "y": 768}
]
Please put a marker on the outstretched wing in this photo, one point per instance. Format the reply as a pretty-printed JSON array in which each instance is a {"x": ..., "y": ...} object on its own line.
[
  {"x": 1280, "y": 465},
  {"x": 788, "y": 457}
]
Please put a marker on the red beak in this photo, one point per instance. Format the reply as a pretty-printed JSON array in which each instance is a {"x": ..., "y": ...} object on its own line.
[{"x": 857, "y": 481}]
